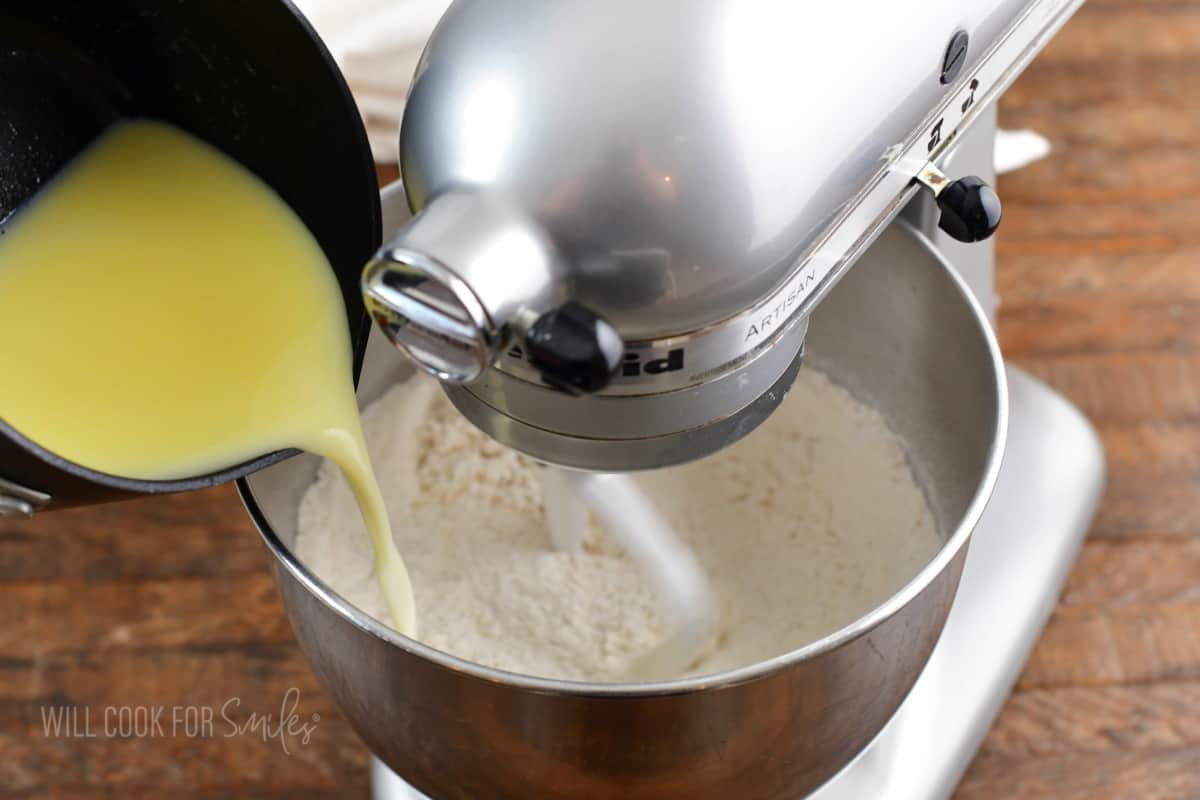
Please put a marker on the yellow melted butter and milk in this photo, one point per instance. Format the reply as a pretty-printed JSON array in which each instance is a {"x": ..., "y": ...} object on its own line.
[{"x": 164, "y": 314}]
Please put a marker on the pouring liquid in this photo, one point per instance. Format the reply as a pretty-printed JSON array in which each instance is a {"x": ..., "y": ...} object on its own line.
[{"x": 164, "y": 314}]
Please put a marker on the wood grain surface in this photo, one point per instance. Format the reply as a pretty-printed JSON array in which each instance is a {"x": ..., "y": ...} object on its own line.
[
  {"x": 1099, "y": 277},
  {"x": 168, "y": 602}
]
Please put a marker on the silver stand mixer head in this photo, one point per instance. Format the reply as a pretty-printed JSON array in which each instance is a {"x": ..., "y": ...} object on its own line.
[
  {"x": 480, "y": 297},
  {"x": 625, "y": 213}
]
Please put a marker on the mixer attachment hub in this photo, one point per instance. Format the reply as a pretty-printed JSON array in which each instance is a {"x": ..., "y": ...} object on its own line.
[{"x": 456, "y": 286}]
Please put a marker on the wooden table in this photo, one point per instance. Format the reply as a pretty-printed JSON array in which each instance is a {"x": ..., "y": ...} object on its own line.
[{"x": 168, "y": 602}]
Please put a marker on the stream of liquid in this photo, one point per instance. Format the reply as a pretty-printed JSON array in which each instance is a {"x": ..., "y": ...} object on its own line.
[{"x": 164, "y": 314}]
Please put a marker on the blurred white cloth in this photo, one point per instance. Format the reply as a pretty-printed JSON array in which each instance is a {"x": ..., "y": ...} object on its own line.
[
  {"x": 1018, "y": 149},
  {"x": 378, "y": 44}
]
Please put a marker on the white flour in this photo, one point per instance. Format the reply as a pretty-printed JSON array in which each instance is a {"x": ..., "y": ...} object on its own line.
[{"x": 806, "y": 525}]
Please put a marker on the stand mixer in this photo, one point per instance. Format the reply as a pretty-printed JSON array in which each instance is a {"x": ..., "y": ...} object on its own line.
[{"x": 631, "y": 225}]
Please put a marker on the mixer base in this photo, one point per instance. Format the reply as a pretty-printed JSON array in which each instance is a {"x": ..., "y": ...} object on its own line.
[{"x": 1021, "y": 554}]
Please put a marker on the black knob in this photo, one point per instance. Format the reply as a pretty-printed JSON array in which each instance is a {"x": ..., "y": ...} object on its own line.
[
  {"x": 971, "y": 210},
  {"x": 575, "y": 349}
]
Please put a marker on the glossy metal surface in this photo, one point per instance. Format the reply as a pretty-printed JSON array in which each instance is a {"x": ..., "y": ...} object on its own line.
[
  {"x": 1021, "y": 553},
  {"x": 903, "y": 333},
  {"x": 451, "y": 288},
  {"x": 13, "y": 507},
  {"x": 973, "y": 154},
  {"x": 20, "y": 501},
  {"x": 682, "y": 153},
  {"x": 623, "y": 434},
  {"x": 612, "y": 431},
  {"x": 706, "y": 171}
]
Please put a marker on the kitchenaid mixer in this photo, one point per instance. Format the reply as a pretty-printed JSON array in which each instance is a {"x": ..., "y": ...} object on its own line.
[{"x": 630, "y": 225}]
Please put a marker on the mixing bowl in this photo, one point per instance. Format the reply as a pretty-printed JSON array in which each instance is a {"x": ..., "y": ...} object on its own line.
[{"x": 904, "y": 334}]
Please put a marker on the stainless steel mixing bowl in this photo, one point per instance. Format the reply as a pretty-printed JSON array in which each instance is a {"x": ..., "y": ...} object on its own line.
[{"x": 904, "y": 334}]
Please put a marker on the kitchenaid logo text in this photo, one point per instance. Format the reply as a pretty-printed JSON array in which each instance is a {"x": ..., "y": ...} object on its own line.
[
  {"x": 775, "y": 316},
  {"x": 230, "y": 720},
  {"x": 638, "y": 364}
]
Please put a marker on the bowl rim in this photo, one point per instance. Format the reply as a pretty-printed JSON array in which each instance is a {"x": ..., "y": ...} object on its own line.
[{"x": 861, "y": 627}]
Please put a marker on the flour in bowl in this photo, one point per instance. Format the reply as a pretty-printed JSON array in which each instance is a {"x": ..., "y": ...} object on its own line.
[{"x": 804, "y": 526}]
